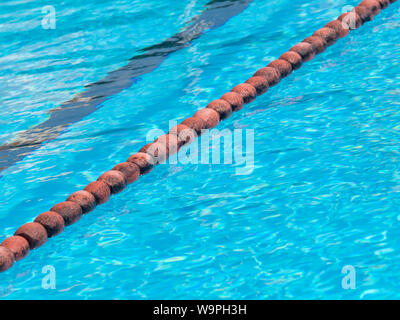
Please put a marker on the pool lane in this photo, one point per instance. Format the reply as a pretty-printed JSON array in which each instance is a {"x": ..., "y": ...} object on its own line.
[{"x": 216, "y": 13}]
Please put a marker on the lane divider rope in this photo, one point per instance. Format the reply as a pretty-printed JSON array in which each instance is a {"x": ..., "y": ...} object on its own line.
[{"x": 34, "y": 234}]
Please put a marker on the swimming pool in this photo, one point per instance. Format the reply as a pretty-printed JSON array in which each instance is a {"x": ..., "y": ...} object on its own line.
[{"x": 323, "y": 192}]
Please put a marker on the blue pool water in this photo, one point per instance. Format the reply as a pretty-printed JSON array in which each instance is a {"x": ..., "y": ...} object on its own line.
[{"x": 324, "y": 192}]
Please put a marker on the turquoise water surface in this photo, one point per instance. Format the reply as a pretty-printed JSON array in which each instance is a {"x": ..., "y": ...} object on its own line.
[{"x": 324, "y": 192}]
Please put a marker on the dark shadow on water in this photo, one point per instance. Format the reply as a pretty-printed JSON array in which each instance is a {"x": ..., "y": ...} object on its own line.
[{"x": 215, "y": 14}]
